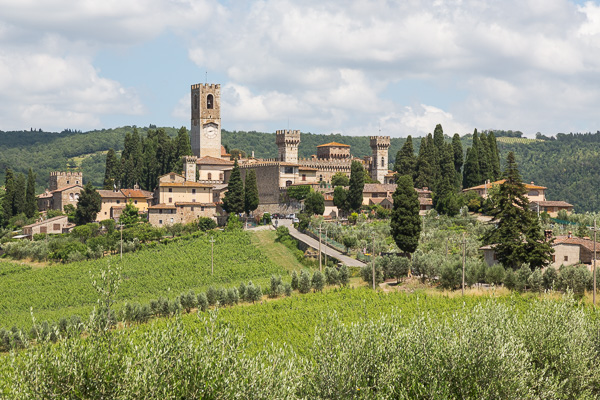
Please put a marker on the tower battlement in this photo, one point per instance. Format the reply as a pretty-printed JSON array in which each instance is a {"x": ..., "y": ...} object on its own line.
[
  {"x": 287, "y": 136},
  {"x": 61, "y": 179},
  {"x": 381, "y": 142},
  {"x": 206, "y": 86},
  {"x": 287, "y": 145}
]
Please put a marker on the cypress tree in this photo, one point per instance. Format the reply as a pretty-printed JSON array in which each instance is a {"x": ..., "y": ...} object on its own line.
[
  {"x": 406, "y": 221},
  {"x": 357, "y": 185},
  {"x": 251, "y": 199},
  {"x": 483, "y": 156},
  {"x": 183, "y": 147},
  {"x": 9, "y": 195},
  {"x": 137, "y": 157},
  {"x": 110, "y": 170},
  {"x": 406, "y": 161},
  {"x": 438, "y": 139},
  {"x": 471, "y": 174},
  {"x": 31, "y": 207},
  {"x": 425, "y": 173},
  {"x": 458, "y": 158},
  {"x": 233, "y": 202},
  {"x": 314, "y": 203},
  {"x": 517, "y": 235},
  {"x": 494, "y": 157},
  {"x": 340, "y": 198},
  {"x": 444, "y": 199},
  {"x": 88, "y": 206},
  {"x": 19, "y": 198}
]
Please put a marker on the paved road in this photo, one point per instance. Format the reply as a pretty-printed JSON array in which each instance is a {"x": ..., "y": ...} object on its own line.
[{"x": 314, "y": 243}]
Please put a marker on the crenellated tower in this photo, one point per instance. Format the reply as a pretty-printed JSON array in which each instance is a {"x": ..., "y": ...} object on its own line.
[
  {"x": 189, "y": 168},
  {"x": 59, "y": 180},
  {"x": 205, "y": 133},
  {"x": 287, "y": 145},
  {"x": 379, "y": 161}
]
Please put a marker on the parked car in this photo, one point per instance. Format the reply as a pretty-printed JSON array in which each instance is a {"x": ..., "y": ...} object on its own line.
[
  {"x": 295, "y": 220},
  {"x": 291, "y": 216}
]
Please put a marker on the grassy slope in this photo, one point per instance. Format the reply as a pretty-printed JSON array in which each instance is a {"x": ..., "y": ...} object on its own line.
[
  {"x": 276, "y": 252},
  {"x": 168, "y": 270}
]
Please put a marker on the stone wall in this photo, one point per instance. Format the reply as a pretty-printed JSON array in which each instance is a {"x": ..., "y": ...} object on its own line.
[
  {"x": 59, "y": 180},
  {"x": 267, "y": 179}
]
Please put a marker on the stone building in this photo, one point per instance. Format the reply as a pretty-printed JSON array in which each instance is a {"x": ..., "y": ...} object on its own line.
[
  {"x": 205, "y": 133},
  {"x": 63, "y": 188},
  {"x": 54, "y": 225}
]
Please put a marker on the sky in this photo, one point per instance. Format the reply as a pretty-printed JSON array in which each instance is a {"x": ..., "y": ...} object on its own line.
[{"x": 356, "y": 67}]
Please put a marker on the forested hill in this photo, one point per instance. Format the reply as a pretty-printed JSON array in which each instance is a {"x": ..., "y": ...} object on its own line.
[{"x": 568, "y": 165}]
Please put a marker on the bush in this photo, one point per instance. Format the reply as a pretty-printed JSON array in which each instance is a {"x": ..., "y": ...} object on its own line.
[
  {"x": 318, "y": 281},
  {"x": 202, "y": 302},
  {"x": 331, "y": 276},
  {"x": 232, "y": 296},
  {"x": 451, "y": 275},
  {"x": 242, "y": 291},
  {"x": 211, "y": 296},
  {"x": 549, "y": 278},
  {"x": 575, "y": 278},
  {"x": 206, "y": 224},
  {"x": 294, "y": 283},
  {"x": 535, "y": 281},
  {"x": 523, "y": 275},
  {"x": 366, "y": 273},
  {"x": 344, "y": 276},
  {"x": 304, "y": 284},
  {"x": 275, "y": 286},
  {"x": 495, "y": 274},
  {"x": 510, "y": 279},
  {"x": 287, "y": 289}
]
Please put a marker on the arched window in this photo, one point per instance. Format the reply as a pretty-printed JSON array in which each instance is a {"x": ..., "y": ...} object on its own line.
[
  {"x": 320, "y": 178},
  {"x": 288, "y": 183},
  {"x": 71, "y": 196},
  {"x": 209, "y": 101},
  {"x": 195, "y": 102},
  {"x": 382, "y": 162},
  {"x": 533, "y": 193},
  {"x": 209, "y": 176}
]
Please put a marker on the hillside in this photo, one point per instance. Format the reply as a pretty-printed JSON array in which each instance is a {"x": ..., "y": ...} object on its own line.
[{"x": 567, "y": 165}]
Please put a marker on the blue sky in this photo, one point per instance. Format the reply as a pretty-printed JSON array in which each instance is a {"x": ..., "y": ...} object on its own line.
[{"x": 352, "y": 66}]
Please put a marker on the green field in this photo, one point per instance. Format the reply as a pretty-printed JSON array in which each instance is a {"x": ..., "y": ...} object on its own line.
[
  {"x": 348, "y": 343},
  {"x": 167, "y": 270}
]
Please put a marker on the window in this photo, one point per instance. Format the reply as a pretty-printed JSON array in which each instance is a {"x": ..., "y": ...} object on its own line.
[
  {"x": 118, "y": 201},
  {"x": 160, "y": 221},
  {"x": 56, "y": 227},
  {"x": 195, "y": 102},
  {"x": 160, "y": 211},
  {"x": 566, "y": 258},
  {"x": 382, "y": 162},
  {"x": 288, "y": 183},
  {"x": 553, "y": 258},
  {"x": 77, "y": 182},
  {"x": 303, "y": 177},
  {"x": 43, "y": 229},
  {"x": 170, "y": 199},
  {"x": 209, "y": 176},
  {"x": 201, "y": 208},
  {"x": 220, "y": 176},
  {"x": 171, "y": 220},
  {"x": 289, "y": 170},
  {"x": 320, "y": 178},
  {"x": 77, "y": 196},
  {"x": 533, "y": 193},
  {"x": 135, "y": 202},
  {"x": 192, "y": 208},
  {"x": 104, "y": 212},
  {"x": 170, "y": 190},
  {"x": 495, "y": 256},
  {"x": 67, "y": 182},
  {"x": 193, "y": 191},
  {"x": 193, "y": 200},
  {"x": 71, "y": 196},
  {"x": 209, "y": 101}
]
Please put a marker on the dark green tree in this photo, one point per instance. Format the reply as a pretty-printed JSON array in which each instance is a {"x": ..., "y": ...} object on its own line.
[
  {"x": 314, "y": 204},
  {"x": 483, "y": 156},
  {"x": 339, "y": 179},
  {"x": 425, "y": 167},
  {"x": 471, "y": 176},
  {"x": 19, "y": 199},
  {"x": 251, "y": 199},
  {"x": 406, "y": 221},
  {"x": 406, "y": 161},
  {"x": 9, "y": 195},
  {"x": 494, "y": 157},
  {"x": 31, "y": 207},
  {"x": 445, "y": 199},
  {"x": 458, "y": 158},
  {"x": 517, "y": 236},
  {"x": 355, "y": 192},
  {"x": 111, "y": 171},
  {"x": 298, "y": 192},
  {"x": 438, "y": 138},
  {"x": 233, "y": 202},
  {"x": 88, "y": 206},
  {"x": 340, "y": 198},
  {"x": 130, "y": 215},
  {"x": 183, "y": 147}
]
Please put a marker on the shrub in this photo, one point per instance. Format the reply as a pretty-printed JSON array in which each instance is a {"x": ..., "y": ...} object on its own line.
[
  {"x": 510, "y": 279},
  {"x": 549, "y": 278},
  {"x": 366, "y": 273},
  {"x": 318, "y": 281},
  {"x": 206, "y": 224},
  {"x": 304, "y": 284},
  {"x": 287, "y": 289},
  {"x": 275, "y": 284},
  {"x": 242, "y": 290},
  {"x": 523, "y": 275},
  {"x": 495, "y": 274},
  {"x": 211, "y": 296},
  {"x": 344, "y": 276},
  {"x": 535, "y": 281},
  {"x": 294, "y": 283},
  {"x": 202, "y": 302}
]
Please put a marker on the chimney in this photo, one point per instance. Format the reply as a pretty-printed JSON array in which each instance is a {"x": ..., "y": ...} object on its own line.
[
  {"x": 570, "y": 235},
  {"x": 252, "y": 153}
]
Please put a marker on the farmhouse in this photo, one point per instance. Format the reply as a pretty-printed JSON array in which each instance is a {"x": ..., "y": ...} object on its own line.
[{"x": 54, "y": 225}]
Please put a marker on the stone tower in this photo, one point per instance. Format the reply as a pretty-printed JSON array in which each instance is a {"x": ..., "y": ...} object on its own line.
[
  {"x": 189, "y": 168},
  {"x": 59, "y": 180},
  {"x": 205, "y": 135},
  {"x": 287, "y": 145},
  {"x": 379, "y": 161}
]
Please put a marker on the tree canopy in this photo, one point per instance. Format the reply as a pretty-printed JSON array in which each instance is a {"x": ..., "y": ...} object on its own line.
[
  {"x": 88, "y": 206},
  {"x": 406, "y": 221},
  {"x": 233, "y": 202}
]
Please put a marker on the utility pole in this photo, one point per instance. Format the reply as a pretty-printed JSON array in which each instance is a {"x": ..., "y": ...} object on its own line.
[
  {"x": 463, "y": 262},
  {"x": 121, "y": 226},
  {"x": 373, "y": 260},
  {"x": 212, "y": 255},
  {"x": 320, "y": 265},
  {"x": 326, "y": 242}
]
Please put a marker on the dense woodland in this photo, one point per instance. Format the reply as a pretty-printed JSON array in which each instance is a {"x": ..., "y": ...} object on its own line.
[{"x": 568, "y": 164}]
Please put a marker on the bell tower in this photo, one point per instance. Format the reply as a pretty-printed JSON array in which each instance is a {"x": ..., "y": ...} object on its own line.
[
  {"x": 379, "y": 161},
  {"x": 205, "y": 132}
]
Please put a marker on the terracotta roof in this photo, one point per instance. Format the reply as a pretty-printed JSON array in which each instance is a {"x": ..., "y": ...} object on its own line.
[
  {"x": 379, "y": 187},
  {"x": 224, "y": 152},
  {"x": 47, "y": 221},
  {"x": 378, "y": 200},
  {"x": 587, "y": 243},
  {"x": 162, "y": 207},
  {"x": 192, "y": 204},
  {"x": 171, "y": 173},
  {"x": 137, "y": 193},
  {"x": 208, "y": 160},
  {"x": 425, "y": 201},
  {"x": 65, "y": 188},
  {"x": 184, "y": 184},
  {"x": 44, "y": 195},
  {"x": 552, "y": 203},
  {"x": 334, "y": 144},
  {"x": 307, "y": 169},
  {"x": 111, "y": 194},
  {"x": 501, "y": 181}
]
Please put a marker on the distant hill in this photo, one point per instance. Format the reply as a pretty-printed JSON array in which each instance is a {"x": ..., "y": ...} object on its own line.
[{"x": 569, "y": 165}]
